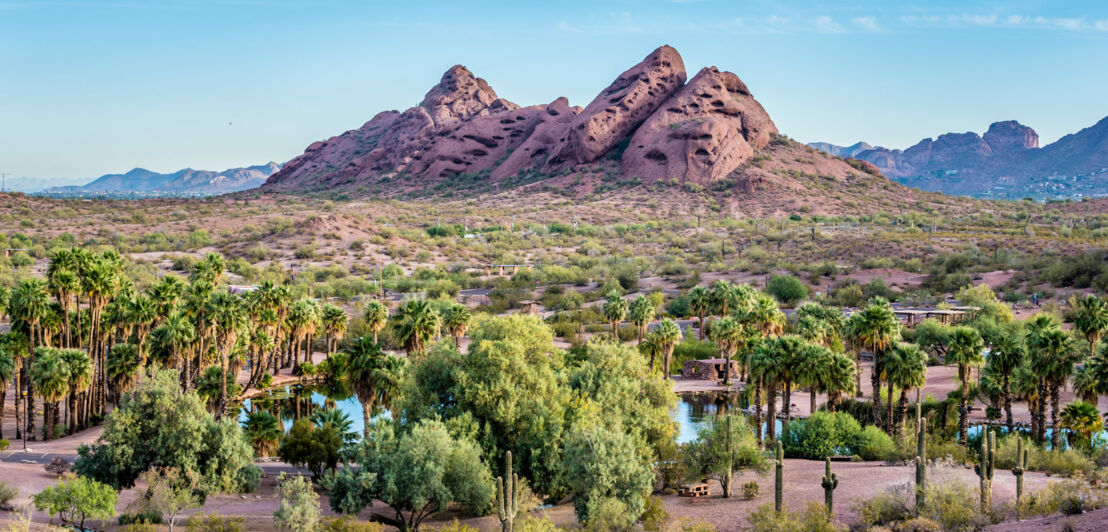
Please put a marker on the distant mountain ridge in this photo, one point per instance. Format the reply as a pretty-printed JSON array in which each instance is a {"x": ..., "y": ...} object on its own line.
[
  {"x": 1005, "y": 162},
  {"x": 182, "y": 182}
]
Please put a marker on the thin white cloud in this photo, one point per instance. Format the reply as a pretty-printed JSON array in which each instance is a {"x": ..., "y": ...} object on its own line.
[
  {"x": 826, "y": 24},
  {"x": 969, "y": 20},
  {"x": 865, "y": 23}
]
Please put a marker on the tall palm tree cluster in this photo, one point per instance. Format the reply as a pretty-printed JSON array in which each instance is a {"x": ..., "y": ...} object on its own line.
[
  {"x": 82, "y": 333},
  {"x": 775, "y": 355}
]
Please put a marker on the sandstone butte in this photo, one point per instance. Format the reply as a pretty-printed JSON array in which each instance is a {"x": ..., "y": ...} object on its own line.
[{"x": 667, "y": 129}]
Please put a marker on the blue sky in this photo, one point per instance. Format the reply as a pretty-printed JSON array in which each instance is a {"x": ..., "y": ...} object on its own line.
[{"x": 92, "y": 87}]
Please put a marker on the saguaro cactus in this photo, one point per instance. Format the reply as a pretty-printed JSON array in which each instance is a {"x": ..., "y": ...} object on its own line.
[
  {"x": 507, "y": 495},
  {"x": 830, "y": 482},
  {"x": 778, "y": 478},
  {"x": 921, "y": 458},
  {"x": 1021, "y": 466},
  {"x": 984, "y": 469}
]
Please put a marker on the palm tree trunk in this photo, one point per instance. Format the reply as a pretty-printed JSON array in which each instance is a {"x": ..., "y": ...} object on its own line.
[
  {"x": 3, "y": 401},
  {"x": 771, "y": 411},
  {"x": 1044, "y": 393},
  {"x": 875, "y": 381},
  {"x": 1008, "y": 402},
  {"x": 223, "y": 384},
  {"x": 758, "y": 411},
  {"x": 901, "y": 411},
  {"x": 812, "y": 400},
  {"x": 700, "y": 327},
  {"x": 857, "y": 373},
  {"x": 889, "y": 410},
  {"x": 365, "y": 418},
  {"x": 1054, "y": 419},
  {"x": 30, "y": 399},
  {"x": 963, "y": 418}
]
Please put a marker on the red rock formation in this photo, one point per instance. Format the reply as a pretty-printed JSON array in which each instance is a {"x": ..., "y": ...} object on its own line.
[
  {"x": 697, "y": 132},
  {"x": 702, "y": 133},
  {"x": 619, "y": 109}
]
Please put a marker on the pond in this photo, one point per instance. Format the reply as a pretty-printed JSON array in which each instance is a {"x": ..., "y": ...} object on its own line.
[{"x": 691, "y": 413}]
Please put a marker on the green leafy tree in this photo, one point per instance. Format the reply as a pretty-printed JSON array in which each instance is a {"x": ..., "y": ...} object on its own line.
[
  {"x": 723, "y": 448},
  {"x": 416, "y": 474},
  {"x": 299, "y": 507},
  {"x": 157, "y": 425},
  {"x": 965, "y": 350},
  {"x": 312, "y": 447},
  {"x": 170, "y": 491},
  {"x": 603, "y": 464},
  {"x": 76, "y": 499},
  {"x": 787, "y": 289}
]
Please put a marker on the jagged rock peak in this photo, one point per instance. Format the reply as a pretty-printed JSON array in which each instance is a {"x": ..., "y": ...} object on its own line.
[
  {"x": 459, "y": 95},
  {"x": 621, "y": 107},
  {"x": 1011, "y": 136}
]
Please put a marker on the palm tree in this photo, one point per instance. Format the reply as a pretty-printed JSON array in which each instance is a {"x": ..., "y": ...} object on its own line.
[
  {"x": 100, "y": 283},
  {"x": 29, "y": 304},
  {"x": 1007, "y": 354},
  {"x": 124, "y": 362},
  {"x": 1052, "y": 356},
  {"x": 877, "y": 329},
  {"x": 700, "y": 304},
  {"x": 197, "y": 308},
  {"x": 614, "y": 310},
  {"x": 1085, "y": 384},
  {"x": 209, "y": 269},
  {"x": 837, "y": 378},
  {"x": 769, "y": 366},
  {"x": 455, "y": 319},
  {"x": 334, "y": 321},
  {"x": 905, "y": 368},
  {"x": 373, "y": 375},
  {"x": 302, "y": 317},
  {"x": 1091, "y": 320},
  {"x": 965, "y": 351},
  {"x": 173, "y": 337},
  {"x": 166, "y": 294},
  {"x": 229, "y": 317},
  {"x": 650, "y": 348},
  {"x": 667, "y": 334},
  {"x": 810, "y": 369},
  {"x": 141, "y": 312},
  {"x": 51, "y": 378},
  {"x": 263, "y": 430},
  {"x": 724, "y": 296},
  {"x": 728, "y": 334},
  {"x": 64, "y": 283},
  {"x": 641, "y": 313},
  {"x": 79, "y": 368},
  {"x": 764, "y": 316},
  {"x": 5, "y": 299},
  {"x": 1082, "y": 420},
  {"x": 415, "y": 325},
  {"x": 7, "y": 373},
  {"x": 376, "y": 316}
]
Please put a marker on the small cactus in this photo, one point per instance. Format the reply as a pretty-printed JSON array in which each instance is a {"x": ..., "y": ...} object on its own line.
[
  {"x": 507, "y": 496},
  {"x": 1021, "y": 467},
  {"x": 830, "y": 482},
  {"x": 984, "y": 468},
  {"x": 921, "y": 457},
  {"x": 779, "y": 478}
]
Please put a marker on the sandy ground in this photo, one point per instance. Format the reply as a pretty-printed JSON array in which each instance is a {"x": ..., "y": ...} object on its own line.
[{"x": 857, "y": 481}]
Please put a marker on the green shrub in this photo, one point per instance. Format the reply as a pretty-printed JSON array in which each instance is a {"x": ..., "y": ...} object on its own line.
[
  {"x": 750, "y": 490},
  {"x": 884, "y": 508},
  {"x": 787, "y": 289},
  {"x": 248, "y": 479},
  {"x": 214, "y": 523},
  {"x": 821, "y": 435},
  {"x": 148, "y": 517},
  {"x": 4, "y": 444},
  {"x": 348, "y": 524},
  {"x": 1064, "y": 463},
  {"x": 814, "y": 518},
  {"x": 954, "y": 506},
  {"x": 7, "y": 493},
  {"x": 873, "y": 444},
  {"x": 1068, "y": 497},
  {"x": 654, "y": 515}
]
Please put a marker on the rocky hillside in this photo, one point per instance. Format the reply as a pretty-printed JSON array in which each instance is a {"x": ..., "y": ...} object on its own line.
[
  {"x": 187, "y": 182},
  {"x": 649, "y": 123},
  {"x": 1005, "y": 162}
]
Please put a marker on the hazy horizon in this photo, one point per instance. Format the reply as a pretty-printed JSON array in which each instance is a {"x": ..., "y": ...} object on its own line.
[{"x": 100, "y": 87}]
